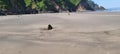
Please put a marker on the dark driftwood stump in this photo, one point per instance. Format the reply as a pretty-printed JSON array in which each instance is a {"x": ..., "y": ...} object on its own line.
[{"x": 50, "y": 27}]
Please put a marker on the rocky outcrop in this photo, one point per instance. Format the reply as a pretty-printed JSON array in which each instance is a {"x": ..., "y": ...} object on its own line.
[
  {"x": 80, "y": 8},
  {"x": 88, "y": 5},
  {"x": 2, "y": 13}
]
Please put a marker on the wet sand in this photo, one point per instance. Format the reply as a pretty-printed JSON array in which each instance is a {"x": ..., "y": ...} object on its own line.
[{"x": 74, "y": 33}]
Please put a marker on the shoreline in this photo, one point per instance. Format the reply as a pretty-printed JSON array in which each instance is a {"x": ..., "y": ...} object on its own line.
[{"x": 84, "y": 12}]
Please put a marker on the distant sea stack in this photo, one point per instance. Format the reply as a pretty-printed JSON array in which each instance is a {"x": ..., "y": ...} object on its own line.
[{"x": 10, "y": 7}]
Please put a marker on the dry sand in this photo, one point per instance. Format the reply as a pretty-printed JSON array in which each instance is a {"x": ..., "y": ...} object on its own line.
[{"x": 77, "y": 33}]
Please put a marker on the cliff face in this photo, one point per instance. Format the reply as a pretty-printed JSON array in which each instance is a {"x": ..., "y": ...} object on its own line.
[
  {"x": 37, "y": 6},
  {"x": 88, "y": 5}
]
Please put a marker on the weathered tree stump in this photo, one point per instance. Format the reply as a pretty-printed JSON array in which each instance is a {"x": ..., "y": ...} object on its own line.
[{"x": 50, "y": 27}]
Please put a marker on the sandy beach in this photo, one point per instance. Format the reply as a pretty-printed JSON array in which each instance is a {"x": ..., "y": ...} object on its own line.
[{"x": 74, "y": 33}]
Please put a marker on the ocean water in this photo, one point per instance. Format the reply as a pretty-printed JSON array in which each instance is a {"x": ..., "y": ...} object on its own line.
[
  {"x": 110, "y": 10},
  {"x": 113, "y": 10}
]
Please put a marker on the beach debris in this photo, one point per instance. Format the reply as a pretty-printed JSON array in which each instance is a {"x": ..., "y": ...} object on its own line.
[
  {"x": 107, "y": 32},
  {"x": 50, "y": 27}
]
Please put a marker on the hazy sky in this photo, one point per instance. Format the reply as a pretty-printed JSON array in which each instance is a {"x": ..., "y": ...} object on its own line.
[{"x": 108, "y": 3}]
